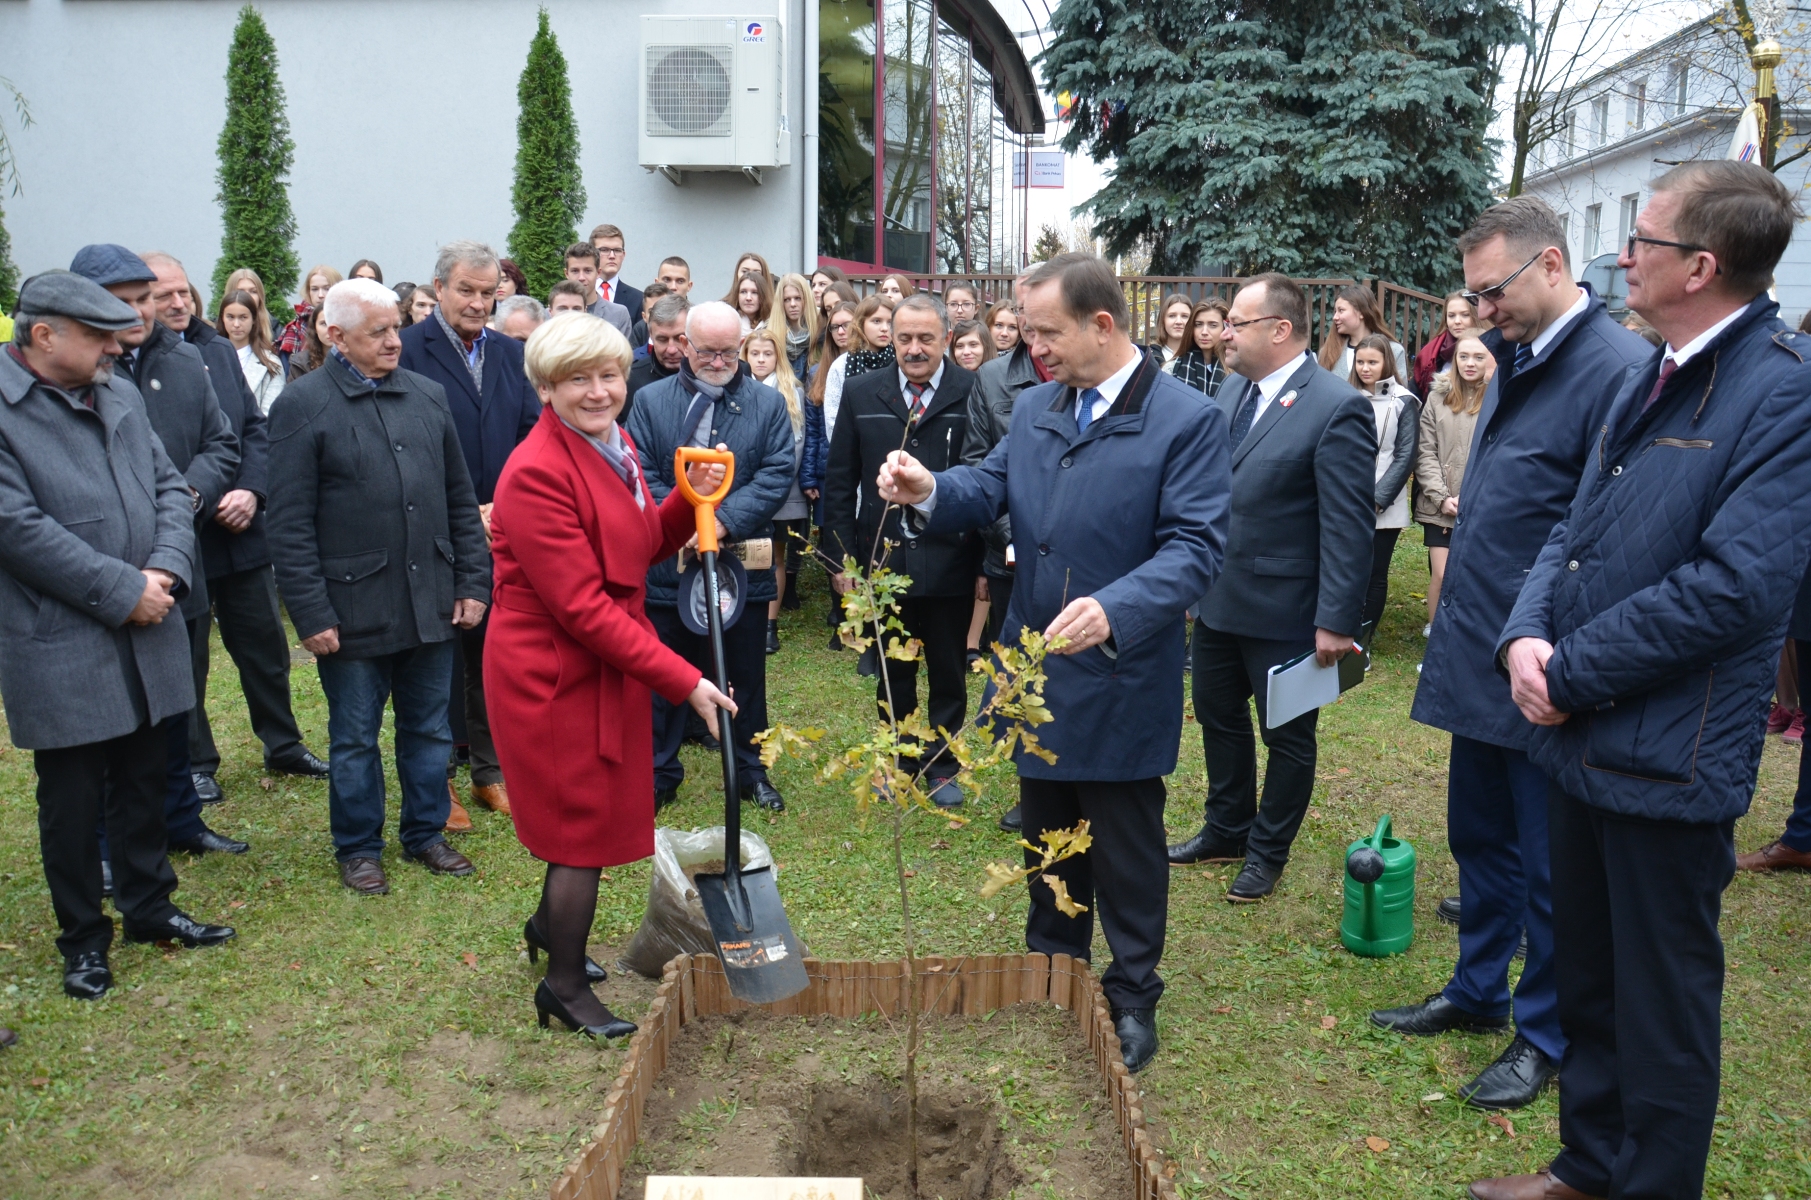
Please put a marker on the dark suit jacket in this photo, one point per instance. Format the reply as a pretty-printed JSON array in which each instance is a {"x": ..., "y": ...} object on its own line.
[
  {"x": 187, "y": 418},
  {"x": 490, "y": 425},
  {"x": 871, "y": 425},
  {"x": 373, "y": 524},
  {"x": 1298, "y": 553},
  {"x": 224, "y": 552},
  {"x": 629, "y": 296}
]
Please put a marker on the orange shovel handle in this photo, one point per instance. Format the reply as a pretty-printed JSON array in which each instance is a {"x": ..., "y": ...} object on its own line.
[{"x": 704, "y": 507}]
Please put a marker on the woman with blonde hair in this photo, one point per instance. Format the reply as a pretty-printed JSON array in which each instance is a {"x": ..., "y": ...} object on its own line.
[
  {"x": 765, "y": 354},
  {"x": 1447, "y": 421},
  {"x": 571, "y": 658},
  {"x": 794, "y": 319},
  {"x": 241, "y": 320},
  {"x": 247, "y": 280}
]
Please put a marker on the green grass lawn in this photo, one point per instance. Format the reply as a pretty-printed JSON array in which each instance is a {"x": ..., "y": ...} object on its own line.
[{"x": 346, "y": 1046}]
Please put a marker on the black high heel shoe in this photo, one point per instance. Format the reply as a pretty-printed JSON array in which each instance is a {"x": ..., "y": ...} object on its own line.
[
  {"x": 538, "y": 944},
  {"x": 548, "y": 1005}
]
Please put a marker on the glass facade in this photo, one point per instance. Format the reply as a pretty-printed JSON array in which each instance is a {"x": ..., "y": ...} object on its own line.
[{"x": 930, "y": 174}]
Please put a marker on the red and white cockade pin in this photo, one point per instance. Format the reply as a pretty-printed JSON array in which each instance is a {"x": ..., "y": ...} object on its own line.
[{"x": 1286, "y": 399}]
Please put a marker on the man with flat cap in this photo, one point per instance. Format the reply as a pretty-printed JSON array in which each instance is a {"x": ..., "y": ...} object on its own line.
[
  {"x": 178, "y": 397},
  {"x": 97, "y": 549}
]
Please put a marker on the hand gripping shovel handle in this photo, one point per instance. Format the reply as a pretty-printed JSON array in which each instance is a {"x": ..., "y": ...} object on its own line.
[{"x": 704, "y": 509}]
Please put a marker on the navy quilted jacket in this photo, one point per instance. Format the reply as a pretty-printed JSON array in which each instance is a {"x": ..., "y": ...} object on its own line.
[
  {"x": 1666, "y": 589},
  {"x": 1531, "y": 441}
]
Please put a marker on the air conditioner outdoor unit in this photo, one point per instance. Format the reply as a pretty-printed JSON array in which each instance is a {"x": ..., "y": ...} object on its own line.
[{"x": 713, "y": 95}]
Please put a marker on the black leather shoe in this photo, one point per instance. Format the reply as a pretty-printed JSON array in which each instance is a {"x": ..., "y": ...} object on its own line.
[
  {"x": 1137, "y": 1030},
  {"x": 184, "y": 929},
  {"x": 665, "y": 796},
  {"x": 1012, "y": 821},
  {"x": 1436, "y": 1014},
  {"x": 531, "y": 933},
  {"x": 1205, "y": 848},
  {"x": 945, "y": 793},
  {"x": 548, "y": 1005},
  {"x": 207, "y": 841},
  {"x": 85, "y": 976},
  {"x": 1514, "y": 1080},
  {"x": 208, "y": 788},
  {"x": 767, "y": 796},
  {"x": 1254, "y": 883},
  {"x": 300, "y": 761},
  {"x": 773, "y": 637}
]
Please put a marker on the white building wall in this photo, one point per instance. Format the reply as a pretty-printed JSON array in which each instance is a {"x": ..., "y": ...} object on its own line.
[
  {"x": 1638, "y": 146},
  {"x": 404, "y": 119}
]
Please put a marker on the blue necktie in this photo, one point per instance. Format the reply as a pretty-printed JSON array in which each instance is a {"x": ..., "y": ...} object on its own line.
[
  {"x": 1247, "y": 413},
  {"x": 1085, "y": 416},
  {"x": 1523, "y": 356}
]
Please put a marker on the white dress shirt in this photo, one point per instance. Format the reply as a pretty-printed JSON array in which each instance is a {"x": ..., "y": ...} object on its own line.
[
  {"x": 1560, "y": 326},
  {"x": 930, "y": 388},
  {"x": 1271, "y": 384},
  {"x": 1685, "y": 353}
]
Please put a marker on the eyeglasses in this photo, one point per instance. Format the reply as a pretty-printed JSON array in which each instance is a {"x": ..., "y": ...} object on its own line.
[
  {"x": 1629, "y": 250},
  {"x": 1494, "y": 294},
  {"x": 714, "y": 356},
  {"x": 1236, "y": 326}
]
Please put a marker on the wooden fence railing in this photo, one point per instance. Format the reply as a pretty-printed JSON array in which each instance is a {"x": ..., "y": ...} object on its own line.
[{"x": 1413, "y": 316}]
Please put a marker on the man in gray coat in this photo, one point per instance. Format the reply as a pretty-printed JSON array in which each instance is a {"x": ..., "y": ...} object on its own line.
[
  {"x": 97, "y": 548},
  {"x": 381, "y": 558},
  {"x": 179, "y": 399}
]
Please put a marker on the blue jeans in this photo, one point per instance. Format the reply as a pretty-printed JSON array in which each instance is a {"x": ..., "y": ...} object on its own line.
[
  {"x": 1496, "y": 820},
  {"x": 419, "y": 681}
]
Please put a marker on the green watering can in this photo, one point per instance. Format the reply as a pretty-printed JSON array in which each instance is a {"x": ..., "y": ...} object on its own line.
[{"x": 1380, "y": 894}]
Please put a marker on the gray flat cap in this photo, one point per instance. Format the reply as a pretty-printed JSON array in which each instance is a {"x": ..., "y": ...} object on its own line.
[
  {"x": 107, "y": 263},
  {"x": 65, "y": 294}
]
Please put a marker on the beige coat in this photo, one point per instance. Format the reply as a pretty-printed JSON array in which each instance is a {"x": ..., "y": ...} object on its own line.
[{"x": 1440, "y": 452}]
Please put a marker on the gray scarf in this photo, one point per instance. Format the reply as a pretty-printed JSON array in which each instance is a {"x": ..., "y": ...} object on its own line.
[
  {"x": 474, "y": 364},
  {"x": 617, "y": 455}
]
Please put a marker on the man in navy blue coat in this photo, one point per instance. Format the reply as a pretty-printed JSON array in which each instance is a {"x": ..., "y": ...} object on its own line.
[
  {"x": 493, "y": 409},
  {"x": 1643, "y": 648},
  {"x": 1560, "y": 358},
  {"x": 1118, "y": 479}
]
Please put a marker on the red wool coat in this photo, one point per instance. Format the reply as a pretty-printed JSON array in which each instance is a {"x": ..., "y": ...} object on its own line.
[{"x": 570, "y": 656}]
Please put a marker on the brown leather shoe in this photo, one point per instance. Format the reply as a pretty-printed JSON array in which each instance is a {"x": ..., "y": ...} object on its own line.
[
  {"x": 457, "y": 819},
  {"x": 442, "y": 859},
  {"x": 493, "y": 796},
  {"x": 7, "y": 1037},
  {"x": 1539, "y": 1186},
  {"x": 365, "y": 876},
  {"x": 1774, "y": 856}
]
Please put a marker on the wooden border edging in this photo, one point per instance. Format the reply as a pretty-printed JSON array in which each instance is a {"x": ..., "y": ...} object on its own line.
[{"x": 693, "y": 986}]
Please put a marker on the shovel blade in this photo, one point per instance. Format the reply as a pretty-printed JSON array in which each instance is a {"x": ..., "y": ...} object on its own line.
[{"x": 761, "y": 957}]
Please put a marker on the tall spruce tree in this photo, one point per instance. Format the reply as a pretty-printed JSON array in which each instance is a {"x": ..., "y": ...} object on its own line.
[
  {"x": 1307, "y": 136},
  {"x": 256, "y": 154},
  {"x": 9, "y": 270},
  {"x": 549, "y": 194}
]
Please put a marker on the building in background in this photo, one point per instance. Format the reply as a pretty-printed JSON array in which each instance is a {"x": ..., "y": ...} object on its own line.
[
  {"x": 1676, "y": 101},
  {"x": 897, "y": 118}
]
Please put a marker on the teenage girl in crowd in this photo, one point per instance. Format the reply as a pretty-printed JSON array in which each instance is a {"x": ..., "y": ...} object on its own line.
[
  {"x": 1357, "y": 316},
  {"x": 765, "y": 355},
  {"x": 1398, "y": 418},
  {"x": 1200, "y": 366},
  {"x": 1447, "y": 421},
  {"x": 1172, "y": 330}
]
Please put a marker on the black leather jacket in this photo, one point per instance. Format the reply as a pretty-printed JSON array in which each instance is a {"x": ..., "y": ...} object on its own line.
[{"x": 998, "y": 383}]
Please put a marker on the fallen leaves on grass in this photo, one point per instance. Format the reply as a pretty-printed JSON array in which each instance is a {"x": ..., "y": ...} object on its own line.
[
  {"x": 1329, "y": 1021},
  {"x": 1502, "y": 1122},
  {"x": 295, "y": 966},
  {"x": 940, "y": 844},
  {"x": 236, "y": 904},
  {"x": 1433, "y": 1097},
  {"x": 1223, "y": 1009},
  {"x": 1377, "y": 1145},
  {"x": 39, "y": 1081},
  {"x": 469, "y": 959}
]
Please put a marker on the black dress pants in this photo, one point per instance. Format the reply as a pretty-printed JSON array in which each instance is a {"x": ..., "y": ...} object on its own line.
[
  {"x": 1377, "y": 590},
  {"x": 1125, "y": 876},
  {"x": 745, "y": 659},
  {"x": 999, "y": 593},
  {"x": 468, "y": 700},
  {"x": 121, "y": 781},
  {"x": 1639, "y": 968},
  {"x": 251, "y": 629},
  {"x": 941, "y": 623},
  {"x": 1231, "y": 674}
]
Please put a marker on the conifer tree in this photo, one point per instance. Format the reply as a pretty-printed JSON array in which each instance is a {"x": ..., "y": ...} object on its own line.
[
  {"x": 1314, "y": 137},
  {"x": 256, "y": 154},
  {"x": 9, "y": 271},
  {"x": 9, "y": 181},
  {"x": 549, "y": 194}
]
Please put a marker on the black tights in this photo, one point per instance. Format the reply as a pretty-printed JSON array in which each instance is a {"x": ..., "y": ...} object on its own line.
[{"x": 568, "y": 905}]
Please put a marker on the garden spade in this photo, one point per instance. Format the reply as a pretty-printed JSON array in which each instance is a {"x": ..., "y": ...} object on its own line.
[{"x": 761, "y": 957}]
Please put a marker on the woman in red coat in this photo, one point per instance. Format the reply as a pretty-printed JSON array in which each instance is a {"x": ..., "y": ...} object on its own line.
[{"x": 571, "y": 657}]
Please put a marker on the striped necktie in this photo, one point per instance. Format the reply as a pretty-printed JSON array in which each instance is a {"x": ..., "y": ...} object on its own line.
[{"x": 916, "y": 406}]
